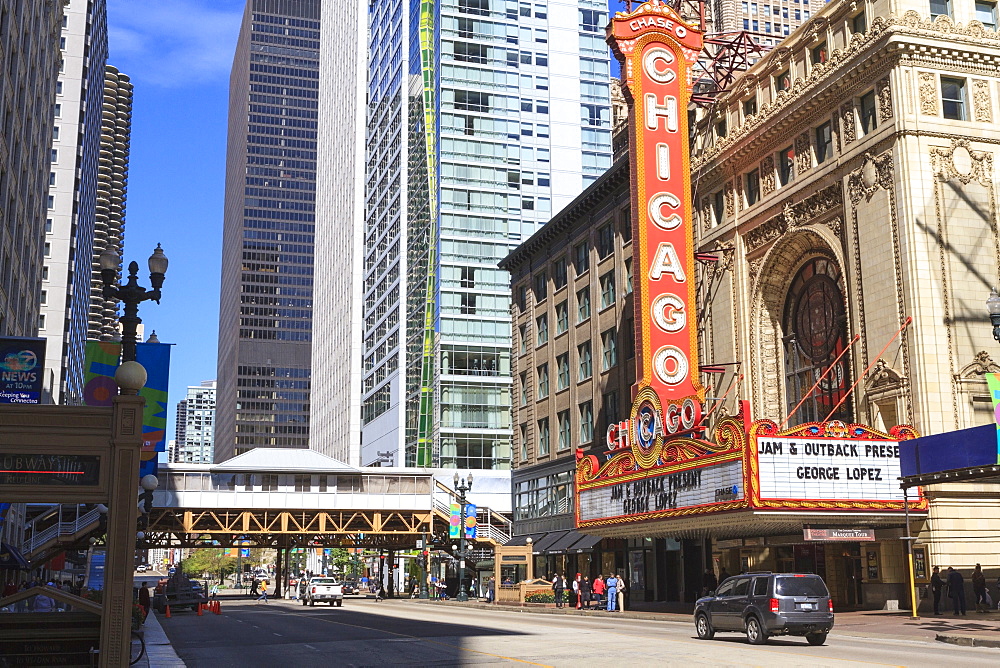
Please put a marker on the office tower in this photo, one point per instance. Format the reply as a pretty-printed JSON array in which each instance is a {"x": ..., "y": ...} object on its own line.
[
  {"x": 69, "y": 227},
  {"x": 335, "y": 419},
  {"x": 772, "y": 21},
  {"x": 29, "y": 51},
  {"x": 474, "y": 139},
  {"x": 265, "y": 314},
  {"x": 196, "y": 425},
  {"x": 112, "y": 183}
]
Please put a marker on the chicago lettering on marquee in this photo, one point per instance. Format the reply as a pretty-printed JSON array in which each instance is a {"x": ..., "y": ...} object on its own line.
[{"x": 656, "y": 48}]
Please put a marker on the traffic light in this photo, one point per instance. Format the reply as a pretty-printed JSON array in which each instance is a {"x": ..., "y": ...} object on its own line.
[{"x": 425, "y": 554}]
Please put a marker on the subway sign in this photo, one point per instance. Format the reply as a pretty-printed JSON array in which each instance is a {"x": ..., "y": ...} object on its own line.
[{"x": 656, "y": 48}]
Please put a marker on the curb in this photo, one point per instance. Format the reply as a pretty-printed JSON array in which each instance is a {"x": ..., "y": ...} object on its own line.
[
  {"x": 967, "y": 641},
  {"x": 596, "y": 614}
]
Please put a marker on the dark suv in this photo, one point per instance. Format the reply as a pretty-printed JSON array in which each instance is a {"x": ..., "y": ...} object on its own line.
[{"x": 766, "y": 604}]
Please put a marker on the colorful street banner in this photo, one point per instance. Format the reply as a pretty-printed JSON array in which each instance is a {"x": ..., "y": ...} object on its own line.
[
  {"x": 470, "y": 521},
  {"x": 100, "y": 389},
  {"x": 993, "y": 382},
  {"x": 455, "y": 523},
  {"x": 22, "y": 370}
]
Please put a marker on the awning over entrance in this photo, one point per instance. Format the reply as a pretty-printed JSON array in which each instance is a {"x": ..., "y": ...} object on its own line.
[
  {"x": 967, "y": 454},
  {"x": 11, "y": 558},
  {"x": 558, "y": 542}
]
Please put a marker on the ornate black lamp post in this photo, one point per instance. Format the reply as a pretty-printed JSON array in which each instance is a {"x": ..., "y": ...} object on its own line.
[
  {"x": 131, "y": 294},
  {"x": 993, "y": 307},
  {"x": 462, "y": 486}
]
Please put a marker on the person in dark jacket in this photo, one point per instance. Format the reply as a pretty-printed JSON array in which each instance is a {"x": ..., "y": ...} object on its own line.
[
  {"x": 586, "y": 592},
  {"x": 979, "y": 589},
  {"x": 956, "y": 589},
  {"x": 558, "y": 584},
  {"x": 708, "y": 582},
  {"x": 937, "y": 584}
]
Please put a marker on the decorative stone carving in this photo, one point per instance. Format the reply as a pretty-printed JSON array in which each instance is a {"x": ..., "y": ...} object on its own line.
[
  {"x": 803, "y": 156},
  {"x": 836, "y": 224},
  {"x": 927, "y": 88},
  {"x": 730, "y": 200},
  {"x": 875, "y": 173},
  {"x": 982, "y": 105},
  {"x": 797, "y": 215},
  {"x": 767, "y": 183},
  {"x": 883, "y": 378},
  {"x": 766, "y": 232},
  {"x": 706, "y": 214},
  {"x": 835, "y": 127},
  {"x": 849, "y": 132},
  {"x": 884, "y": 95},
  {"x": 753, "y": 268},
  {"x": 960, "y": 162},
  {"x": 981, "y": 365}
]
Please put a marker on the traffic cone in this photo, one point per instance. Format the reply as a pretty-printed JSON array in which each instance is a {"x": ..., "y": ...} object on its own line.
[
  {"x": 200, "y": 606},
  {"x": 218, "y": 608},
  {"x": 168, "y": 612}
]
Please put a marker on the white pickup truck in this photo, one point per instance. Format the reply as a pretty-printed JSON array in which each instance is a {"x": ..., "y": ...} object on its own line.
[{"x": 327, "y": 590}]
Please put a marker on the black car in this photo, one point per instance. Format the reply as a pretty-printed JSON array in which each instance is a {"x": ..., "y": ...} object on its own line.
[
  {"x": 766, "y": 604},
  {"x": 350, "y": 587}
]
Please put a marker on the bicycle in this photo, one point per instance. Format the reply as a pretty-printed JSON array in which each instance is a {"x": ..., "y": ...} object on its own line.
[{"x": 138, "y": 648}]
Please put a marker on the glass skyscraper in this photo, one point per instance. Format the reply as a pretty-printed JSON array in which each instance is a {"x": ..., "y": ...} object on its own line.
[
  {"x": 265, "y": 315},
  {"x": 484, "y": 118}
]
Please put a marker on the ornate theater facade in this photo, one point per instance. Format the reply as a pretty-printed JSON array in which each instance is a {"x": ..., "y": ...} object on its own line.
[{"x": 812, "y": 300}]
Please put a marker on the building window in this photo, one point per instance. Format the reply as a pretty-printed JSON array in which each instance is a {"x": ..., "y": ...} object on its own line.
[
  {"x": 542, "y": 323},
  {"x": 609, "y": 350},
  {"x": 582, "y": 258},
  {"x": 543, "y": 437},
  {"x": 628, "y": 276},
  {"x": 953, "y": 98},
  {"x": 564, "y": 430},
  {"x": 524, "y": 388},
  {"x": 559, "y": 274},
  {"x": 751, "y": 187},
  {"x": 609, "y": 402},
  {"x": 522, "y": 297},
  {"x": 986, "y": 13},
  {"x": 51, "y": 201},
  {"x": 859, "y": 23},
  {"x": 55, "y": 155},
  {"x": 749, "y": 108},
  {"x": 41, "y": 321},
  {"x": 522, "y": 332},
  {"x": 626, "y": 226},
  {"x": 583, "y": 305},
  {"x": 586, "y": 422},
  {"x": 940, "y": 8},
  {"x": 782, "y": 81},
  {"x": 718, "y": 204},
  {"x": 47, "y": 249},
  {"x": 819, "y": 53},
  {"x": 324, "y": 483},
  {"x": 721, "y": 129},
  {"x": 562, "y": 380},
  {"x": 541, "y": 287},
  {"x": 608, "y": 289},
  {"x": 815, "y": 335},
  {"x": 303, "y": 483},
  {"x": 562, "y": 317},
  {"x": 786, "y": 166},
  {"x": 55, "y": 132},
  {"x": 824, "y": 143},
  {"x": 543, "y": 381},
  {"x": 605, "y": 241},
  {"x": 586, "y": 369},
  {"x": 866, "y": 107},
  {"x": 269, "y": 482},
  {"x": 524, "y": 442}
]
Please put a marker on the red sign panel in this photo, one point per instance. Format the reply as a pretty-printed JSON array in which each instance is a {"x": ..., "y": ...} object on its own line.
[{"x": 656, "y": 48}]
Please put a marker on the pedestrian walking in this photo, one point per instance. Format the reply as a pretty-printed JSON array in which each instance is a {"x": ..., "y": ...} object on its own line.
[
  {"x": 254, "y": 587},
  {"x": 263, "y": 592},
  {"x": 491, "y": 589},
  {"x": 577, "y": 585},
  {"x": 599, "y": 589},
  {"x": 557, "y": 586},
  {"x": 586, "y": 592},
  {"x": 612, "y": 584},
  {"x": 956, "y": 590},
  {"x": 979, "y": 589},
  {"x": 214, "y": 591},
  {"x": 937, "y": 584}
]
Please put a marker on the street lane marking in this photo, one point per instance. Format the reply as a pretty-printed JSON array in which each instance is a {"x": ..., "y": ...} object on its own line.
[{"x": 435, "y": 642}]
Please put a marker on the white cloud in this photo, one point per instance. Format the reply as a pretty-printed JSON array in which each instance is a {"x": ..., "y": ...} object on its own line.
[{"x": 173, "y": 43}]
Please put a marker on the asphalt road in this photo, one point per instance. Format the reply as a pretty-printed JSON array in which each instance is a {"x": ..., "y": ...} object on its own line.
[{"x": 404, "y": 633}]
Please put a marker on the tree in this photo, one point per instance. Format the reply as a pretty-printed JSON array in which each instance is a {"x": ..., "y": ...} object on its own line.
[{"x": 208, "y": 560}]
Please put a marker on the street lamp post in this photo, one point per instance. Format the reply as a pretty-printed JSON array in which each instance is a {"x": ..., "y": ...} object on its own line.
[
  {"x": 131, "y": 294},
  {"x": 149, "y": 483},
  {"x": 993, "y": 307},
  {"x": 462, "y": 486}
]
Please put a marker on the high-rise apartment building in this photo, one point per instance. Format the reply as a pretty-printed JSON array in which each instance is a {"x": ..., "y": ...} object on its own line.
[
  {"x": 195, "y": 425},
  {"x": 484, "y": 117},
  {"x": 29, "y": 51},
  {"x": 69, "y": 226},
  {"x": 770, "y": 20},
  {"x": 265, "y": 315},
  {"x": 112, "y": 184}
]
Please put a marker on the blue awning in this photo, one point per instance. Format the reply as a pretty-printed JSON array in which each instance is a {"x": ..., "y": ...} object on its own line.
[
  {"x": 11, "y": 558},
  {"x": 964, "y": 454}
]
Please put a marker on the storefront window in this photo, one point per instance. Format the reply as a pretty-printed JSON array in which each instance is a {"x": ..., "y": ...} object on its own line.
[{"x": 815, "y": 326}]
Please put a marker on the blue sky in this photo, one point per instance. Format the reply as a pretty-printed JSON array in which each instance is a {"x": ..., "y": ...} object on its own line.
[{"x": 178, "y": 54}]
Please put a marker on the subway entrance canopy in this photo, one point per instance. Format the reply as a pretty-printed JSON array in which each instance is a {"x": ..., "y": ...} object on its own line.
[{"x": 280, "y": 497}]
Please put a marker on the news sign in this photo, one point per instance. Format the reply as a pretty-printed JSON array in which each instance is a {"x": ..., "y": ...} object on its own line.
[{"x": 22, "y": 367}]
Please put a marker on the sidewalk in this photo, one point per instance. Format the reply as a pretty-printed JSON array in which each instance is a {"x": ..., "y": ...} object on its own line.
[
  {"x": 975, "y": 629},
  {"x": 159, "y": 652}
]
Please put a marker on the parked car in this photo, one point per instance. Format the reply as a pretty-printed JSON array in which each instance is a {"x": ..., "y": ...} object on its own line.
[
  {"x": 766, "y": 604},
  {"x": 350, "y": 587},
  {"x": 326, "y": 590}
]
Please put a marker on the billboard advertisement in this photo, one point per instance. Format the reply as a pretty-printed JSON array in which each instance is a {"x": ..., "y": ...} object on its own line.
[{"x": 22, "y": 366}]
